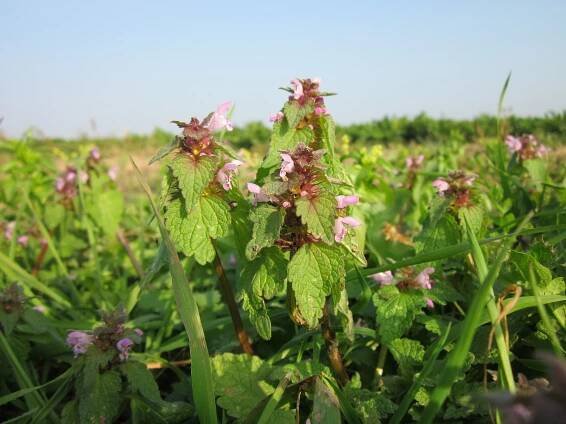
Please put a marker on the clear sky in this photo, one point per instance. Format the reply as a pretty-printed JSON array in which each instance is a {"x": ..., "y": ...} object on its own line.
[{"x": 131, "y": 66}]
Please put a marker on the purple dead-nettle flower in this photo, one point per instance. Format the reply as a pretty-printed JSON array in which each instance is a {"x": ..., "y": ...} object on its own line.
[
  {"x": 286, "y": 204},
  {"x": 320, "y": 110},
  {"x": 94, "y": 154},
  {"x": 23, "y": 240},
  {"x": 513, "y": 144},
  {"x": 83, "y": 177},
  {"x": 226, "y": 173},
  {"x": 276, "y": 117},
  {"x": 429, "y": 303},
  {"x": 345, "y": 201},
  {"x": 341, "y": 226},
  {"x": 219, "y": 120},
  {"x": 526, "y": 147},
  {"x": 297, "y": 89},
  {"x": 40, "y": 309},
  {"x": 414, "y": 162},
  {"x": 9, "y": 230},
  {"x": 383, "y": 278},
  {"x": 124, "y": 345},
  {"x": 441, "y": 186},
  {"x": 423, "y": 278},
  {"x": 259, "y": 196},
  {"x": 138, "y": 332},
  {"x": 79, "y": 341},
  {"x": 287, "y": 166},
  {"x": 113, "y": 172}
]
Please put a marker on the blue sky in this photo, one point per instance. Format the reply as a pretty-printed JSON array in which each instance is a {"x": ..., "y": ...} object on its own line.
[{"x": 131, "y": 66}]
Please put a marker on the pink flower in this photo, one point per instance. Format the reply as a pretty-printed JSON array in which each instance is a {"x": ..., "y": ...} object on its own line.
[
  {"x": 226, "y": 173},
  {"x": 9, "y": 230},
  {"x": 316, "y": 81},
  {"x": 414, "y": 162},
  {"x": 257, "y": 193},
  {"x": 341, "y": 226},
  {"x": 345, "y": 201},
  {"x": 113, "y": 172},
  {"x": 59, "y": 184},
  {"x": 70, "y": 175},
  {"x": 79, "y": 341},
  {"x": 40, "y": 309},
  {"x": 441, "y": 186},
  {"x": 124, "y": 345},
  {"x": 513, "y": 144},
  {"x": 94, "y": 154},
  {"x": 297, "y": 89},
  {"x": 83, "y": 176},
  {"x": 138, "y": 332},
  {"x": 423, "y": 278},
  {"x": 287, "y": 166},
  {"x": 276, "y": 117},
  {"x": 23, "y": 240},
  {"x": 320, "y": 110},
  {"x": 429, "y": 303},
  {"x": 286, "y": 204},
  {"x": 219, "y": 120},
  {"x": 541, "y": 151},
  {"x": 383, "y": 278}
]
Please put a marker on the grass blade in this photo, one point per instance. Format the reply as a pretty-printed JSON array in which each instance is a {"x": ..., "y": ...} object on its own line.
[
  {"x": 550, "y": 330},
  {"x": 455, "y": 250},
  {"x": 502, "y": 349},
  {"x": 201, "y": 369},
  {"x": 275, "y": 399},
  {"x": 15, "y": 272},
  {"x": 431, "y": 355},
  {"x": 458, "y": 355}
]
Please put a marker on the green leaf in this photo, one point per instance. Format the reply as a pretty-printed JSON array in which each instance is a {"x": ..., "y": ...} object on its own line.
[
  {"x": 239, "y": 382},
  {"x": 106, "y": 209},
  {"x": 267, "y": 221},
  {"x": 372, "y": 407},
  {"x": 315, "y": 271},
  {"x": 295, "y": 112},
  {"x": 326, "y": 407},
  {"x": 193, "y": 176},
  {"x": 408, "y": 354},
  {"x": 102, "y": 402},
  {"x": 193, "y": 233},
  {"x": 318, "y": 214},
  {"x": 396, "y": 311},
  {"x": 141, "y": 380},
  {"x": 262, "y": 279}
]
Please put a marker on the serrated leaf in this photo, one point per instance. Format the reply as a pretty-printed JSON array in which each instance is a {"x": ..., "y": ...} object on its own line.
[
  {"x": 193, "y": 233},
  {"x": 318, "y": 214},
  {"x": 267, "y": 221},
  {"x": 164, "y": 151},
  {"x": 239, "y": 382},
  {"x": 371, "y": 406},
  {"x": 141, "y": 380},
  {"x": 262, "y": 279},
  {"x": 314, "y": 272},
  {"x": 408, "y": 354},
  {"x": 396, "y": 312},
  {"x": 328, "y": 141},
  {"x": 193, "y": 176},
  {"x": 102, "y": 403}
]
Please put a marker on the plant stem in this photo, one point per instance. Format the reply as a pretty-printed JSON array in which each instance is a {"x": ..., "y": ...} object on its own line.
[
  {"x": 332, "y": 346},
  {"x": 230, "y": 301},
  {"x": 121, "y": 236}
]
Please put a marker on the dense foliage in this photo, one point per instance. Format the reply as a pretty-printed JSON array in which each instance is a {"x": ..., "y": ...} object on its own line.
[{"x": 305, "y": 276}]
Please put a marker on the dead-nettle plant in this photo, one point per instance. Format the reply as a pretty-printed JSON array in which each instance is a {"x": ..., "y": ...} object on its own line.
[{"x": 293, "y": 232}]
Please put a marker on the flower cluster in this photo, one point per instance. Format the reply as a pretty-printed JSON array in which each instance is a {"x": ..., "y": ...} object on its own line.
[
  {"x": 306, "y": 91},
  {"x": 526, "y": 146},
  {"x": 406, "y": 279},
  {"x": 111, "y": 335},
  {"x": 413, "y": 163},
  {"x": 12, "y": 298},
  {"x": 456, "y": 186},
  {"x": 67, "y": 183},
  {"x": 197, "y": 139},
  {"x": 9, "y": 229}
]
